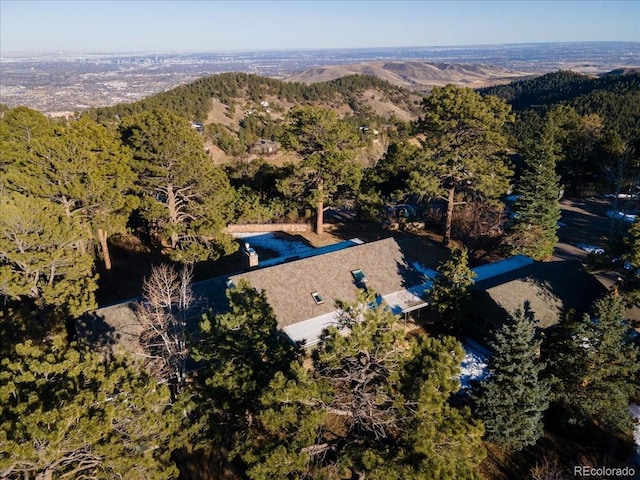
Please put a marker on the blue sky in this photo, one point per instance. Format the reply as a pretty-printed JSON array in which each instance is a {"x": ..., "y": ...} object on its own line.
[{"x": 199, "y": 26}]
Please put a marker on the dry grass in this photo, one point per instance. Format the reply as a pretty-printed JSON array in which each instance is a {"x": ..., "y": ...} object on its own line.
[{"x": 554, "y": 456}]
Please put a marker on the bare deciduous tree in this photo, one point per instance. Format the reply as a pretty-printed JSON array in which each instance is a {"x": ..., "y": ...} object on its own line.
[{"x": 167, "y": 303}]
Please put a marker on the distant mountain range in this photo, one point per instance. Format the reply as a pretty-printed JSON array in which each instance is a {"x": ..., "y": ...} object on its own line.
[{"x": 416, "y": 75}]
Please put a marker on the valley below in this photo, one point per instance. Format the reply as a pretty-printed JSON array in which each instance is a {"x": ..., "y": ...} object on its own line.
[{"x": 63, "y": 83}]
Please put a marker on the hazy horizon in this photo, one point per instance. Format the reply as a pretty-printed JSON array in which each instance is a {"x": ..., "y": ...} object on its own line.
[
  {"x": 99, "y": 27},
  {"x": 276, "y": 50}
]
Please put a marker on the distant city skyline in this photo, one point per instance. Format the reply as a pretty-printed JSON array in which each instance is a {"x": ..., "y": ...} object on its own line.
[{"x": 202, "y": 26}]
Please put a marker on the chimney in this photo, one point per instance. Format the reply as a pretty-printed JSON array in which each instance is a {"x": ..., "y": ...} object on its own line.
[{"x": 250, "y": 257}]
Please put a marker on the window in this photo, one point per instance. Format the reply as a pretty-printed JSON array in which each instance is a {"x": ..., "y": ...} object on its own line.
[{"x": 317, "y": 298}]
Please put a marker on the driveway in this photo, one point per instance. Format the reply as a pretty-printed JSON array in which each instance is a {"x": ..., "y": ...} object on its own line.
[{"x": 584, "y": 221}]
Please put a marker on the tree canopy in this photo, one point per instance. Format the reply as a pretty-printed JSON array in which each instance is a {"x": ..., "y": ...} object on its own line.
[
  {"x": 536, "y": 210},
  {"x": 374, "y": 405},
  {"x": 449, "y": 296},
  {"x": 594, "y": 365},
  {"x": 327, "y": 145},
  {"x": 184, "y": 196},
  {"x": 512, "y": 400},
  {"x": 240, "y": 352},
  {"x": 40, "y": 257},
  {"x": 68, "y": 413},
  {"x": 464, "y": 147}
]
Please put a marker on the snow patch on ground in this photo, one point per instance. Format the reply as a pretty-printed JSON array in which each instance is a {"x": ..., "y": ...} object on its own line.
[
  {"x": 288, "y": 249},
  {"x": 284, "y": 247},
  {"x": 590, "y": 248},
  {"x": 474, "y": 363},
  {"x": 634, "y": 409},
  {"x": 625, "y": 217}
]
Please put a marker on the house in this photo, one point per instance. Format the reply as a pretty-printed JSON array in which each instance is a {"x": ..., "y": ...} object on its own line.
[
  {"x": 302, "y": 292},
  {"x": 264, "y": 147},
  {"x": 552, "y": 289}
]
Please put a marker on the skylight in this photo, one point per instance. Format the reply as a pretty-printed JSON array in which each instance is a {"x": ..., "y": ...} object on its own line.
[
  {"x": 359, "y": 276},
  {"x": 317, "y": 298}
]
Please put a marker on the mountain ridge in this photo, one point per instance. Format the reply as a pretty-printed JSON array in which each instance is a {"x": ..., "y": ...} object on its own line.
[{"x": 416, "y": 74}]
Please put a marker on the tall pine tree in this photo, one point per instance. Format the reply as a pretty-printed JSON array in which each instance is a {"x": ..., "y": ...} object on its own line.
[
  {"x": 39, "y": 257},
  {"x": 594, "y": 365},
  {"x": 186, "y": 199},
  {"x": 464, "y": 148},
  {"x": 513, "y": 399},
  {"x": 240, "y": 352},
  {"x": 536, "y": 211},
  {"x": 66, "y": 412},
  {"x": 328, "y": 146}
]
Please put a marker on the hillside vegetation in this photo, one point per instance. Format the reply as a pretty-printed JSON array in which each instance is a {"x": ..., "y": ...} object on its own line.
[
  {"x": 193, "y": 101},
  {"x": 615, "y": 97}
]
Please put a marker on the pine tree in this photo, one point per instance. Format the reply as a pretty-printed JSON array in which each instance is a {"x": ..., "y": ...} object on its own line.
[
  {"x": 464, "y": 149},
  {"x": 82, "y": 166},
  {"x": 536, "y": 210},
  {"x": 449, "y": 294},
  {"x": 375, "y": 405},
  {"x": 68, "y": 413},
  {"x": 512, "y": 400},
  {"x": 328, "y": 147},
  {"x": 632, "y": 255},
  {"x": 240, "y": 352},
  {"x": 594, "y": 365},
  {"x": 186, "y": 199},
  {"x": 40, "y": 259}
]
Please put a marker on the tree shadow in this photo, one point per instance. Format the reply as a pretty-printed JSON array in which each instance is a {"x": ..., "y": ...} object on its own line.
[{"x": 93, "y": 329}]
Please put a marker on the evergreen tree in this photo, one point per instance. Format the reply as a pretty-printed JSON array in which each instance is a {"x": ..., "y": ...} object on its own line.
[
  {"x": 512, "y": 400},
  {"x": 594, "y": 365},
  {"x": 68, "y": 413},
  {"x": 40, "y": 259},
  {"x": 391, "y": 173},
  {"x": 536, "y": 210},
  {"x": 240, "y": 352},
  {"x": 375, "y": 405},
  {"x": 632, "y": 255},
  {"x": 186, "y": 199},
  {"x": 464, "y": 150},
  {"x": 328, "y": 147},
  {"x": 81, "y": 166},
  {"x": 449, "y": 294},
  {"x": 105, "y": 180}
]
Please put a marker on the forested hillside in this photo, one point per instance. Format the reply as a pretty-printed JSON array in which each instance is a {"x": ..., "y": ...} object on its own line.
[
  {"x": 193, "y": 101},
  {"x": 614, "y": 97}
]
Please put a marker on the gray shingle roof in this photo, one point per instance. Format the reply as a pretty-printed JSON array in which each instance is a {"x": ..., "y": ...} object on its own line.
[
  {"x": 289, "y": 286},
  {"x": 551, "y": 288}
]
